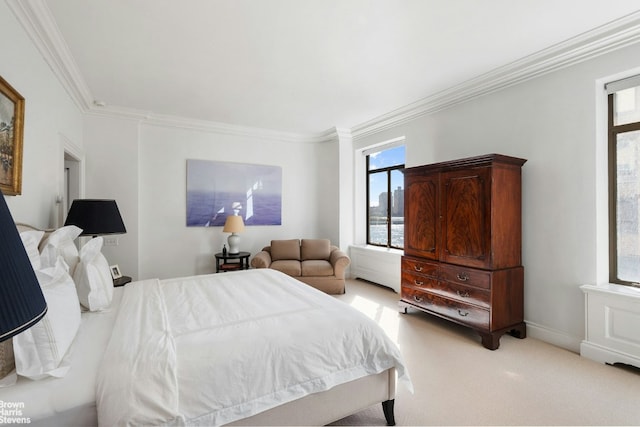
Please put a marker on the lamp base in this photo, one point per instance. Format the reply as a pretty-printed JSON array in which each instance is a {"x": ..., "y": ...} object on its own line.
[
  {"x": 233, "y": 240},
  {"x": 7, "y": 361}
]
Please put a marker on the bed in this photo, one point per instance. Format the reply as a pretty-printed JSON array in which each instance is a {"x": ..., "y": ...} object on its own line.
[{"x": 246, "y": 348}]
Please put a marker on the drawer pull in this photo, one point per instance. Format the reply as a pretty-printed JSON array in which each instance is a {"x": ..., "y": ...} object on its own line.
[
  {"x": 463, "y": 314},
  {"x": 462, "y": 277},
  {"x": 417, "y": 268},
  {"x": 418, "y": 282},
  {"x": 463, "y": 294},
  {"x": 417, "y": 298}
]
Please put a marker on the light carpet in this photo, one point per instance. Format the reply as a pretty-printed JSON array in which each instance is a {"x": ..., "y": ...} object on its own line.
[{"x": 459, "y": 382}]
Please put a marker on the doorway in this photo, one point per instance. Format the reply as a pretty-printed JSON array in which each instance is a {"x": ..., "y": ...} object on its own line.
[{"x": 73, "y": 179}]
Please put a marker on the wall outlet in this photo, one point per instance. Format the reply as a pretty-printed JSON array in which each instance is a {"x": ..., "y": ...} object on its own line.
[{"x": 111, "y": 241}]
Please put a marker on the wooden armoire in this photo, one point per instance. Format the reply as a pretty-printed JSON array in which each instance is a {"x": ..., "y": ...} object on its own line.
[{"x": 462, "y": 244}]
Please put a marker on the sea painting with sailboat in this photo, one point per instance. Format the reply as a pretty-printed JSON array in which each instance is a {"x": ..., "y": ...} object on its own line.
[{"x": 217, "y": 189}]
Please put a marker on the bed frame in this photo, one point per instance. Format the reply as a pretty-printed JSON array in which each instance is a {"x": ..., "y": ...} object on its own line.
[{"x": 332, "y": 405}]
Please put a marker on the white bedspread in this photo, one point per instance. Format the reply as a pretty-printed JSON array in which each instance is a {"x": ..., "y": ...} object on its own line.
[{"x": 209, "y": 350}]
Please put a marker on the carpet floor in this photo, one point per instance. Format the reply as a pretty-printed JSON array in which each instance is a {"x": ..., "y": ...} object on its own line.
[{"x": 459, "y": 382}]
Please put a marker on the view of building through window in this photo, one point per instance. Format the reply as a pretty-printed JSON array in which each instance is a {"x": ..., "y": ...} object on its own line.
[
  {"x": 624, "y": 148},
  {"x": 385, "y": 193}
]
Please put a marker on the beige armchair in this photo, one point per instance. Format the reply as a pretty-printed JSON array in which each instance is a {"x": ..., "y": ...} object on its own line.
[{"x": 312, "y": 261}]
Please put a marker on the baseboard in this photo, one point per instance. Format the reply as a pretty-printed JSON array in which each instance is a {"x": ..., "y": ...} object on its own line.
[
  {"x": 554, "y": 337},
  {"x": 607, "y": 355}
]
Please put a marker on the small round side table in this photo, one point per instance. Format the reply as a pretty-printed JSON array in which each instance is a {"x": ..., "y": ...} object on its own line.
[{"x": 222, "y": 263}]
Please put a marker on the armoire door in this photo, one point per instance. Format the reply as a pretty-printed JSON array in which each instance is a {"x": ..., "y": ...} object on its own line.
[
  {"x": 466, "y": 217},
  {"x": 421, "y": 215}
]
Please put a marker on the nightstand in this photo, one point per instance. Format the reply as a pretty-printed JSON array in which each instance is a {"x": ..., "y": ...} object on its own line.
[
  {"x": 241, "y": 261},
  {"x": 121, "y": 281}
]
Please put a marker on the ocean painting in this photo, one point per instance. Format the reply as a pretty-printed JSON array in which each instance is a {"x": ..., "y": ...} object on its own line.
[{"x": 217, "y": 189}]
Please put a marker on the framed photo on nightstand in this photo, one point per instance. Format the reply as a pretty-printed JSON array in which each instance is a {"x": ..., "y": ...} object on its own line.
[{"x": 115, "y": 272}]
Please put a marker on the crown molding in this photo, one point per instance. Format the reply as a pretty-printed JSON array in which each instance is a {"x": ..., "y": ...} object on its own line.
[
  {"x": 236, "y": 130},
  {"x": 38, "y": 22},
  {"x": 36, "y": 19},
  {"x": 599, "y": 41},
  {"x": 152, "y": 119}
]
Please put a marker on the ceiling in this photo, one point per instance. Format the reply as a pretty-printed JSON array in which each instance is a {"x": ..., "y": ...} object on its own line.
[{"x": 303, "y": 66}]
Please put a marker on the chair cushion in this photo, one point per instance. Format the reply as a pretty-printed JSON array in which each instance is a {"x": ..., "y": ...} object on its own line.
[
  {"x": 316, "y": 268},
  {"x": 315, "y": 249},
  {"x": 285, "y": 249},
  {"x": 287, "y": 266}
]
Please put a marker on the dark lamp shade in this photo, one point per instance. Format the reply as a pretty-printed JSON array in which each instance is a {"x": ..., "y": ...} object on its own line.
[
  {"x": 95, "y": 217},
  {"x": 22, "y": 303}
]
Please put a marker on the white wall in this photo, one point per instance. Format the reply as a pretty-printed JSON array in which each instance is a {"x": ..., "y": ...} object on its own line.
[
  {"x": 551, "y": 121},
  {"x": 327, "y": 190},
  {"x": 111, "y": 172},
  {"x": 168, "y": 248},
  {"x": 50, "y": 118}
]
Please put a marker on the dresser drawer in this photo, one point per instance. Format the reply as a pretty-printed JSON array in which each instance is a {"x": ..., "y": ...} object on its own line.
[
  {"x": 460, "y": 312},
  {"x": 420, "y": 266},
  {"x": 410, "y": 278},
  {"x": 466, "y": 276},
  {"x": 455, "y": 291},
  {"x": 463, "y": 293}
]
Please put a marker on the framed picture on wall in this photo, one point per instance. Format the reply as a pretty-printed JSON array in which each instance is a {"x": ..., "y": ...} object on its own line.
[
  {"x": 217, "y": 189},
  {"x": 11, "y": 131}
]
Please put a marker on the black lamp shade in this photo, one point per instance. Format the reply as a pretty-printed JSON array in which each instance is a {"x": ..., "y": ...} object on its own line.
[
  {"x": 95, "y": 217},
  {"x": 22, "y": 303}
]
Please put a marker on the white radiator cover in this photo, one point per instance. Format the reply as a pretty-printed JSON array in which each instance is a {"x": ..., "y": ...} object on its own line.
[
  {"x": 377, "y": 265},
  {"x": 612, "y": 316}
]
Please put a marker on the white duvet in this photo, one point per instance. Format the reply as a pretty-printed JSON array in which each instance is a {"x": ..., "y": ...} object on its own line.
[{"x": 209, "y": 350}]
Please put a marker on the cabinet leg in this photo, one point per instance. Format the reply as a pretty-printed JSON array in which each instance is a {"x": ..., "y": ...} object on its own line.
[
  {"x": 490, "y": 341},
  {"x": 519, "y": 331},
  {"x": 402, "y": 308}
]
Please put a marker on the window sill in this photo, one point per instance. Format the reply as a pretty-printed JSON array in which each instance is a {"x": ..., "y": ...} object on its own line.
[
  {"x": 613, "y": 289},
  {"x": 380, "y": 249}
]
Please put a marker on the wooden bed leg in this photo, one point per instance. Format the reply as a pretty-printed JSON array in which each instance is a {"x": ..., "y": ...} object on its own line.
[{"x": 387, "y": 408}]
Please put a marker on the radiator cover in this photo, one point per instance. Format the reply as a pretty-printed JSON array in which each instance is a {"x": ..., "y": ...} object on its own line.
[{"x": 612, "y": 317}]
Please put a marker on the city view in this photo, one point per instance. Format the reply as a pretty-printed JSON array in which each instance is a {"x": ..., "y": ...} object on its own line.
[{"x": 381, "y": 200}]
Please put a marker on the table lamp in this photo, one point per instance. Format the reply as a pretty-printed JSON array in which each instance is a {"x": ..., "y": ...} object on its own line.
[
  {"x": 22, "y": 303},
  {"x": 233, "y": 225},
  {"x": 96, "y": 217}
]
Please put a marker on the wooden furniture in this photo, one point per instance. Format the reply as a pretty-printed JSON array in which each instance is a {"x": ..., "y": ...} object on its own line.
[
  {"x": 242, "y": 263},
  {"x": 463, "y": 244},
  {"x": 121, "y": 281}
]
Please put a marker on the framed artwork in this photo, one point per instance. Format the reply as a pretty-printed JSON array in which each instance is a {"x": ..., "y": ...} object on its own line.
[
  {"x": 115, "y": 271},
  {"x": 11, "y": 131},
  {"x": 217, "y": 189}
]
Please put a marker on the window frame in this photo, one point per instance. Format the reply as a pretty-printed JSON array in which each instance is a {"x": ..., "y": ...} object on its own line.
[
  {"x": 613, "y": 132},
  {"x": 388, "y": 170}
]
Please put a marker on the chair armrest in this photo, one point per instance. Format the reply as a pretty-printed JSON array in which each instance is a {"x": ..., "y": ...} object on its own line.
[
  {"x": 261, "y": 260},
  {"x": 340, "y": 261}
]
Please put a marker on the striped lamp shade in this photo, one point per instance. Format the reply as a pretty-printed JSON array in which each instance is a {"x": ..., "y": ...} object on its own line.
[{"x": 22, "y": 303}]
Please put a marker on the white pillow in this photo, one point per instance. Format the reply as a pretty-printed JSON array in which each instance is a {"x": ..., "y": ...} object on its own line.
[
  {"x": 93, "y": 277},
  {"x": 39, "y": 351},
  {"x": 60, "y": 243},
  {"x": 31, "y": 240}
]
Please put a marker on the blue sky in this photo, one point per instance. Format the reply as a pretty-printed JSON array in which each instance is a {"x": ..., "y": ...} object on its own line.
[{"x": 390, "y": 157}]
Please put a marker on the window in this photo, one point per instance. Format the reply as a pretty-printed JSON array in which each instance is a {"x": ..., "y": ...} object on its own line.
[
  {"x": 385, "y": 197},
  {"x": 624, "y": 181}
]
